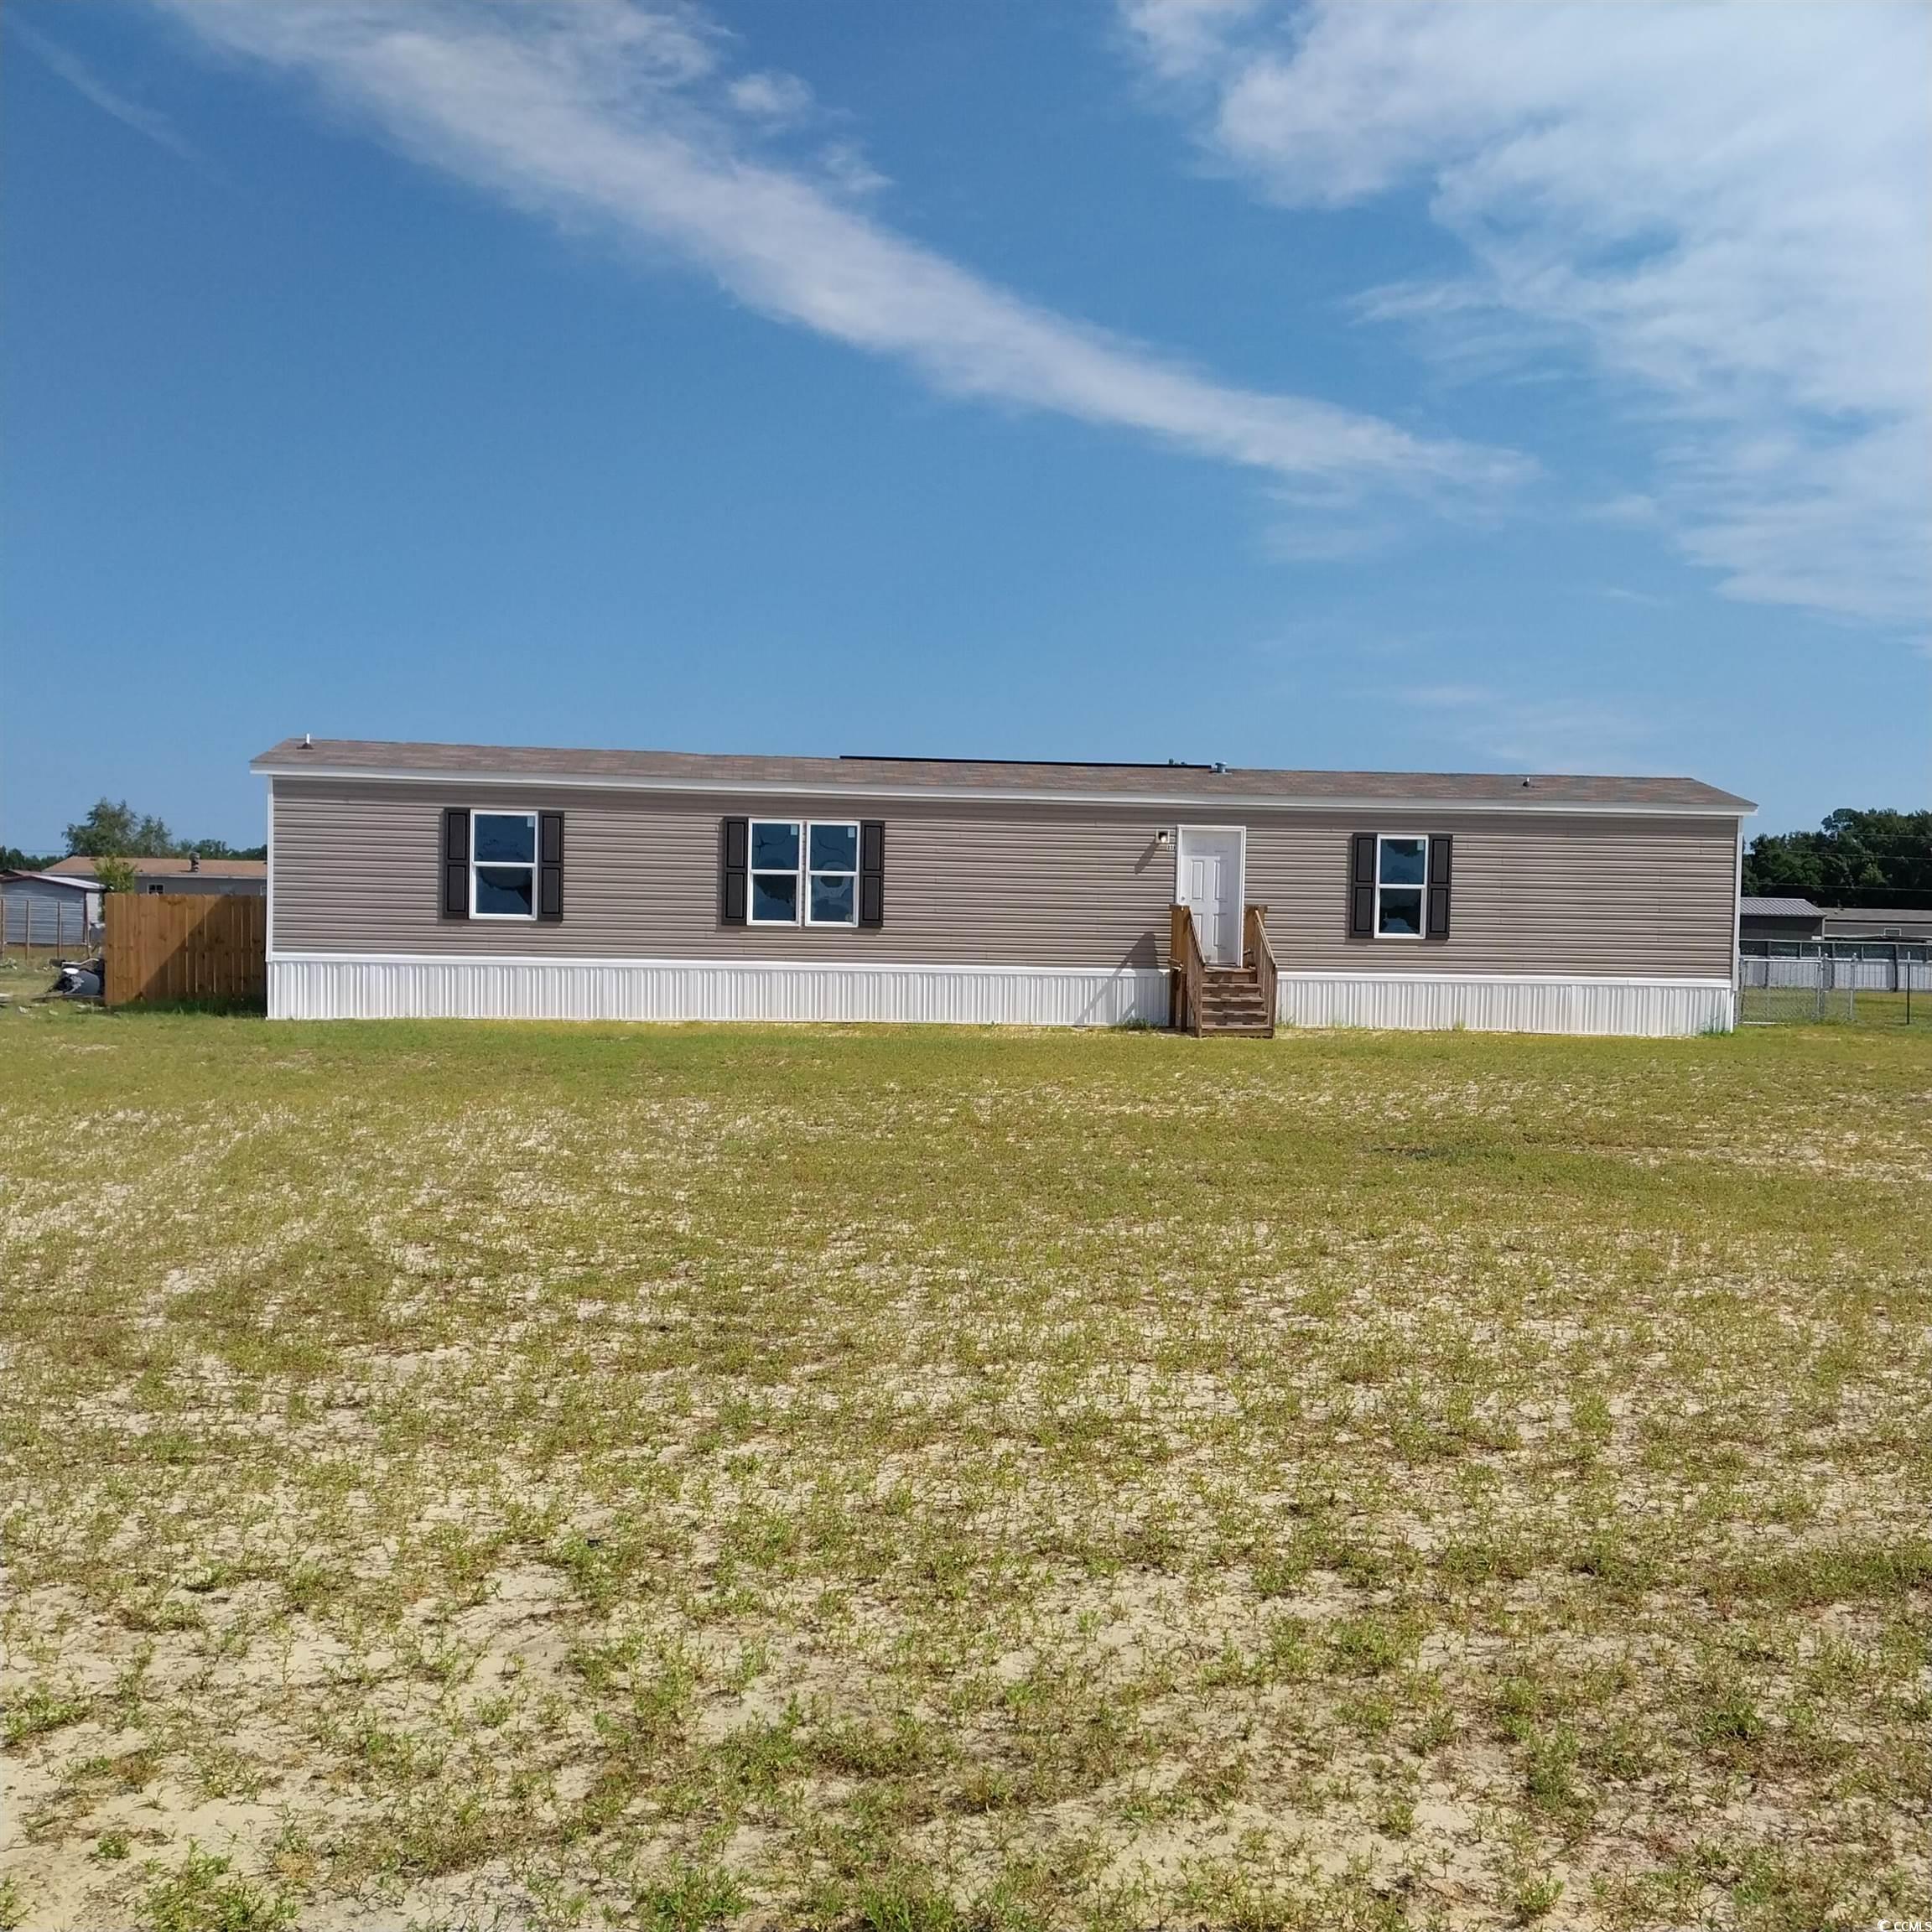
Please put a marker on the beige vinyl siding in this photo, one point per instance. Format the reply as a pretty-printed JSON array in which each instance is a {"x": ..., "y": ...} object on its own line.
[
  {"x": 355, "y": 871},
  {"x": 1045, "y": 885},
  {"x": 1578, "y": 895}
]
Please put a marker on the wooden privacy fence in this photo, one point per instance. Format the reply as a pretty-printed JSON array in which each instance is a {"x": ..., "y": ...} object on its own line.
[{"x": 185, "y": 946}]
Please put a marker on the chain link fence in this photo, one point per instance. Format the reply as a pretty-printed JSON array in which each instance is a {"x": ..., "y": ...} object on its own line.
[{"x": 1883, "y": 992}]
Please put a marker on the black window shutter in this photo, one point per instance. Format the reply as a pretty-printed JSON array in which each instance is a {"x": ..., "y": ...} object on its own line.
[
  {"x": 1362, "y": 885},
  {"x": 731, "y": 883},
  {"x": 1439, "y": 866},
  {"x": 872, "y": 872},
  {"x": 550, "y": 865},
  {"x": 455, "y": 864}
]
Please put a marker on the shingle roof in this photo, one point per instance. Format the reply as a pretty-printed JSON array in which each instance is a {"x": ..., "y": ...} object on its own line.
[
  {"x": 1879, "y": 915},
  {"x": 1752, "y": 908},
  {"x": 72, "y": 884},
  {"x": 697, "y": 770},
  {"x": 78, "y": 868}
]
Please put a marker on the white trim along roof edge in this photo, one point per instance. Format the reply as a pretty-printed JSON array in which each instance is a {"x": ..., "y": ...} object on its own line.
[{"x": 1163, "y": 801}]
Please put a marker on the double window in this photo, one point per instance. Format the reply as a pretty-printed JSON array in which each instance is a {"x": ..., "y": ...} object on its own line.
[
  {"x": 803, "y": 868},
  {"x": 502, "y": 864},
  {"x": 1401, "y": 886}
]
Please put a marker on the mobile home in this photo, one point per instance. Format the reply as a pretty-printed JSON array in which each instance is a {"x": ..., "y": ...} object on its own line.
[{"x": 519, "y": 882}]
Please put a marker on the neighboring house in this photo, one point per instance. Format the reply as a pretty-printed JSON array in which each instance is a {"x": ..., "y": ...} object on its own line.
[
  {"x": 1795, "y": 928},
  {"x": 409, "y": 879},
  {"x": 48, "y": 909},
  {"x": 244, "y": 875},
  {"x": 1879, "y": 923},
  {"x": 1763, "y": 918}
]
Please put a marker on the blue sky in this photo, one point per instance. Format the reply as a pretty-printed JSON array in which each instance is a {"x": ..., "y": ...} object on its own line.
[{"x": 1459, "y": 388}]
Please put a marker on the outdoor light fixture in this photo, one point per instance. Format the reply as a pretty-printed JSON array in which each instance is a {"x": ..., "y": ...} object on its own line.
[{"x": 1161, "y": 837}]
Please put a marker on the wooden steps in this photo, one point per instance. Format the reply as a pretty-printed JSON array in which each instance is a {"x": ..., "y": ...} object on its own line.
[
  {"x": 1218, "y": 999},
  {"x": 1231, "y": 1002}
]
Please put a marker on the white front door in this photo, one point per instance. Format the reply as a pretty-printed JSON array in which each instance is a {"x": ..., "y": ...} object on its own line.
[{"x": 1210, "y": 888}]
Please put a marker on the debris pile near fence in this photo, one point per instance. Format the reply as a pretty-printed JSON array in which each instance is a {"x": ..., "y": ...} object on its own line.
[{"x": 187, "y": 946}]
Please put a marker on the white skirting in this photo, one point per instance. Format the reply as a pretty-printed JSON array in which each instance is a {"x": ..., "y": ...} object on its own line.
[
  {"x": 1515, "y": 1003},
  {"x": 323, "y": 986},
  {"x": 336, "y": 986}
]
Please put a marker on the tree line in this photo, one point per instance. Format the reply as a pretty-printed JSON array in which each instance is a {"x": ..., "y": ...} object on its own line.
[{"x": 1853, "y": 851}]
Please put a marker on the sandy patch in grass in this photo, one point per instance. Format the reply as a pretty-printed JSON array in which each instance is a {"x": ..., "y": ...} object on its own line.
[{"x": 660, "y": 1477}]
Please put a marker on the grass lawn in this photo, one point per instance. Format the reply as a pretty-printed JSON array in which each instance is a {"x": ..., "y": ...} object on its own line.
[{"x": 539, "y": 1476}]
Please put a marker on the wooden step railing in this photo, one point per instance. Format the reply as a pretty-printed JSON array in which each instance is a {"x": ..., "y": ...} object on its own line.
[
  {"x": 1258, "y": 956},
  {"x": 1186, "y": 967}
]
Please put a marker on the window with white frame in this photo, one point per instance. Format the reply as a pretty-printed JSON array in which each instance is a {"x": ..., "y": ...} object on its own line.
[
  {"x": 775, "y": 845},
  {"x": 802, "y": 871},
  {"x": 502, "y": 864},
  {"x": 1401, "y": 886},
  {"x": 832, "y": 875}
]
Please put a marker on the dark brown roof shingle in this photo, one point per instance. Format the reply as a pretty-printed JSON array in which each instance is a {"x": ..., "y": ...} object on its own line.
[
  {"x": 1177, "y": 782},
  {"x": 80, "y": 868}
]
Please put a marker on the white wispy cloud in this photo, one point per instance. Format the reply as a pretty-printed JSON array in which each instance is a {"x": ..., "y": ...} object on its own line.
[
  {"x": 778, "y": 98},
  {"x": 89, "y": 84},
  {"x": 1303, "y": 539},
  {"x": 1633, "y": 509},
  {"x": 1181, "y": 38},
  {"x": 623, "y": 115},
  {"x": 845, "y": 166},
  {"x": 1725, "y": 209},
  {"x": 1538, "y": 733}
]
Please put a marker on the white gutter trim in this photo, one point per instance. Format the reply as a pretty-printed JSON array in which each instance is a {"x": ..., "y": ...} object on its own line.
[
  {"x": 268, "y": 914},
  {"x": 715, "y": 965},
  {"x": 694, "y": 964},
  {"x": 1150, "y": 801},
  {"x": 1706, "y": 980}
]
